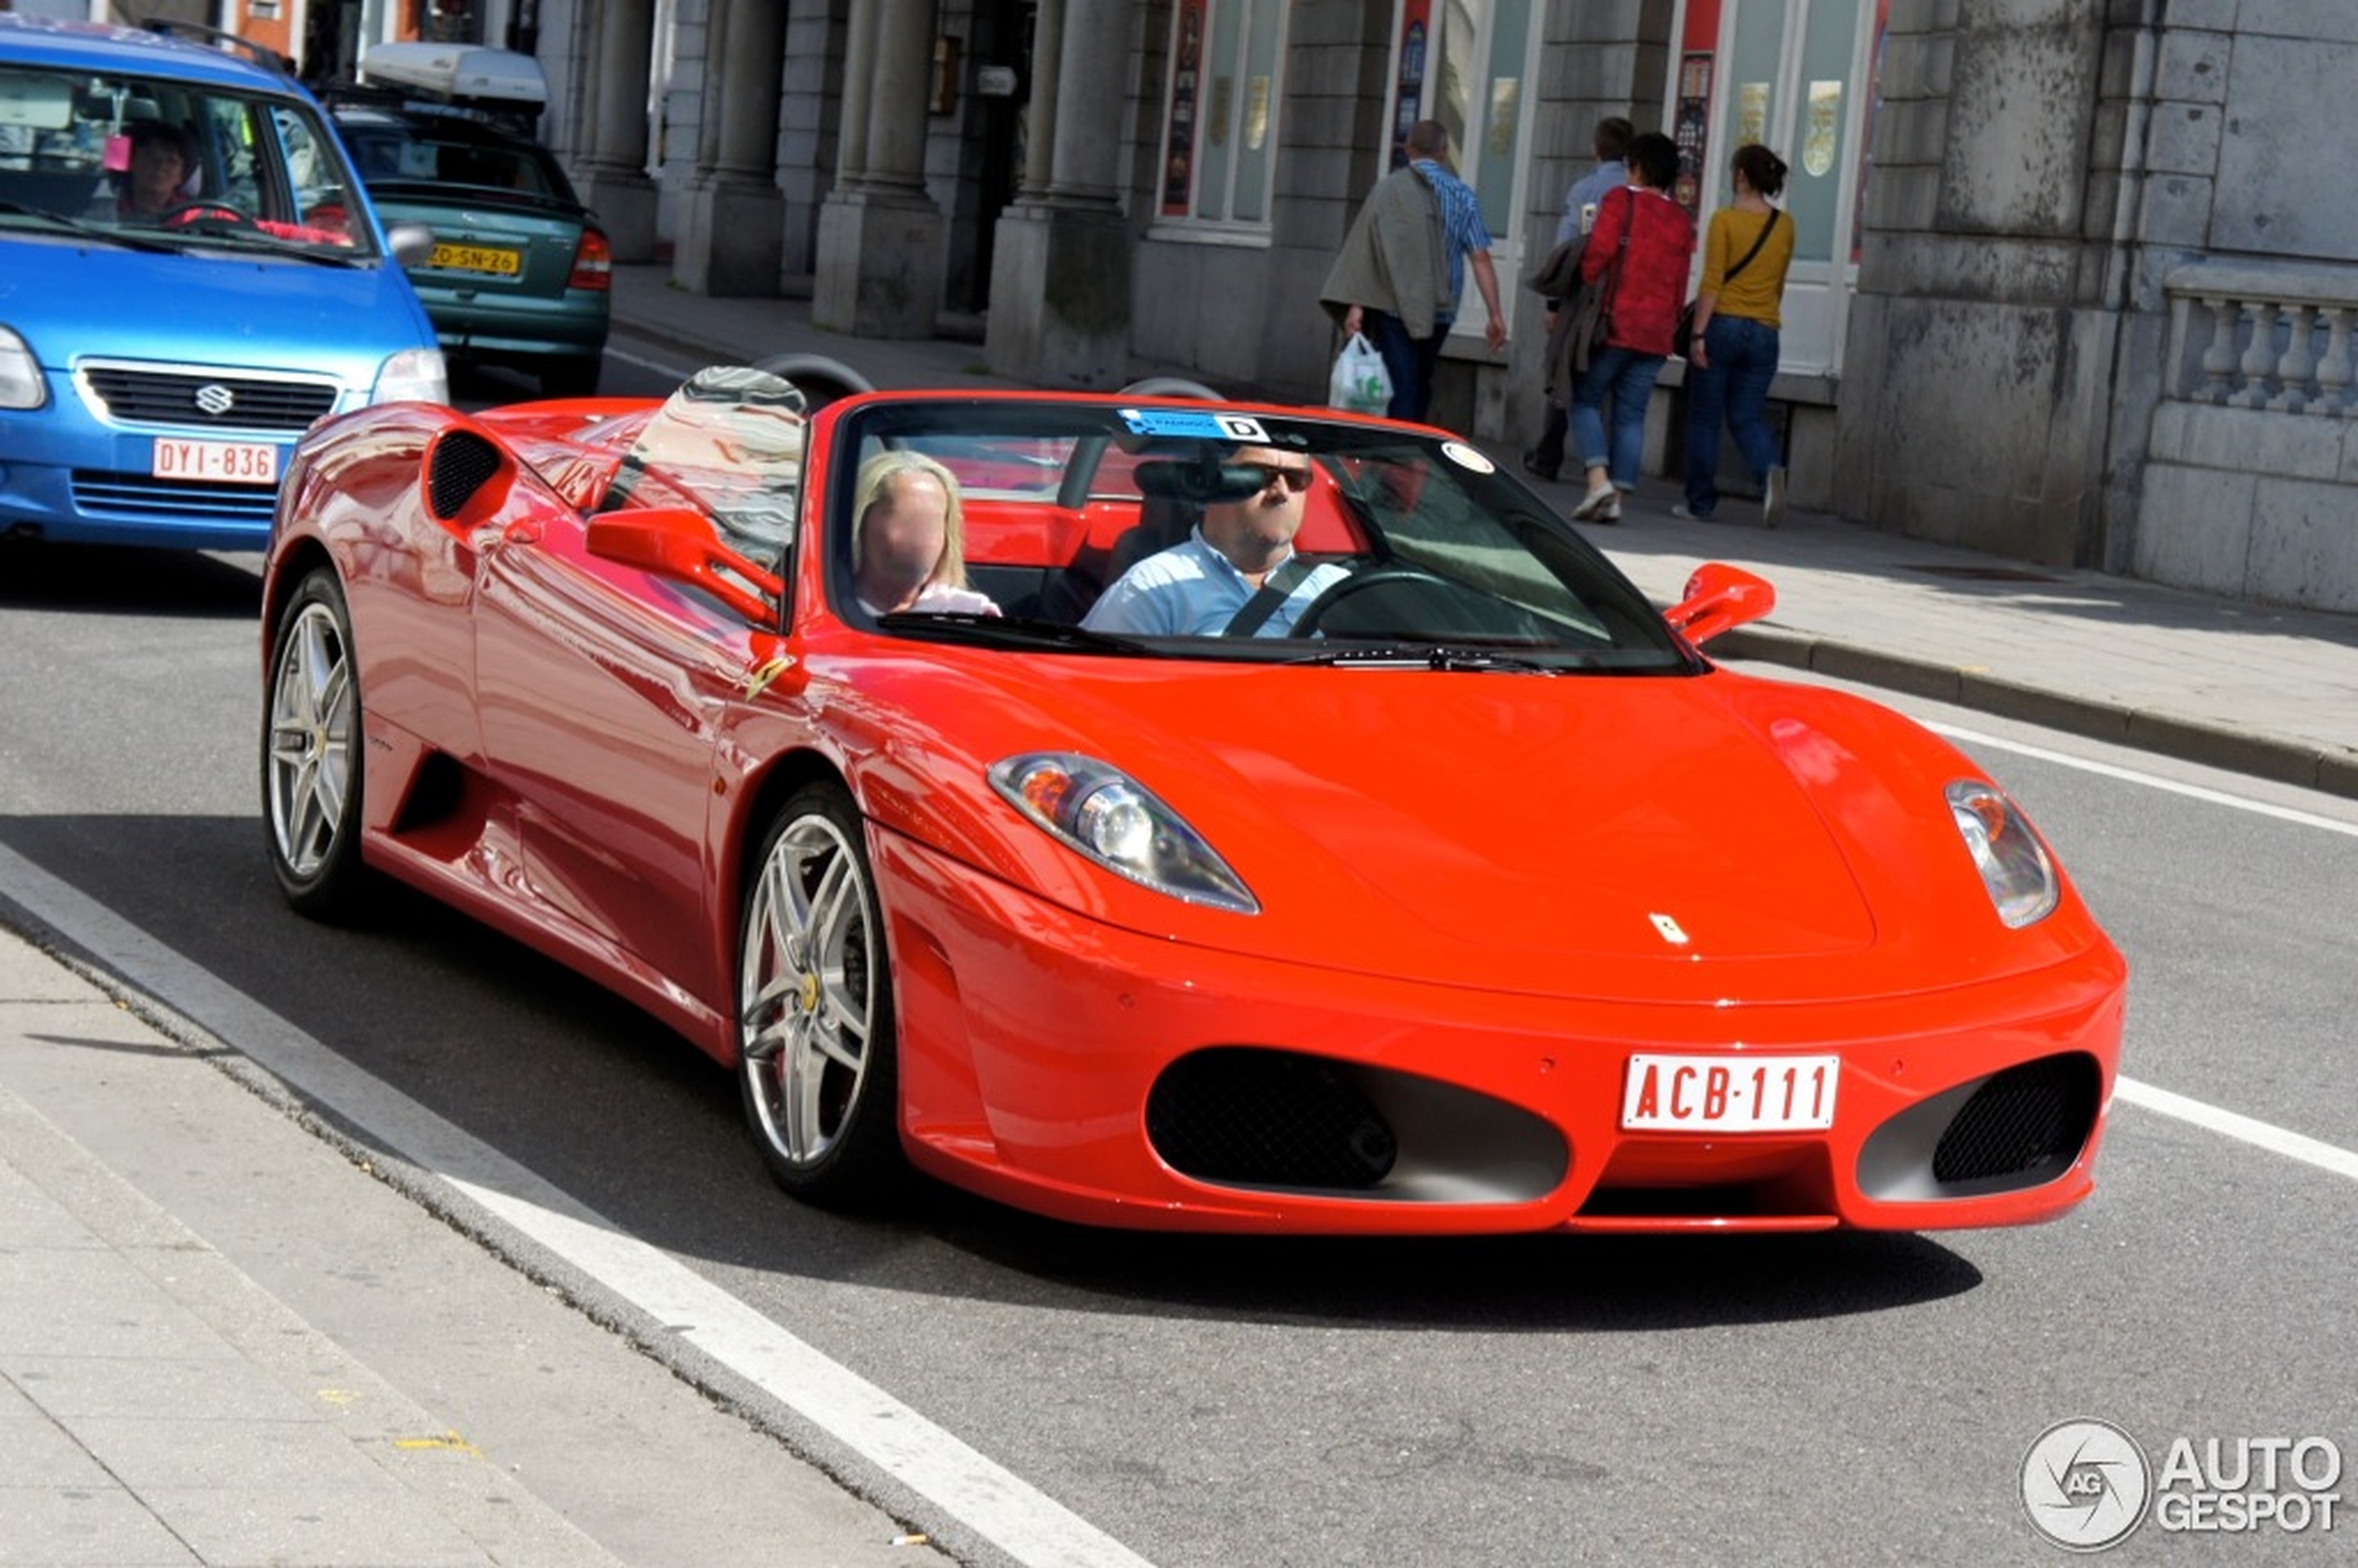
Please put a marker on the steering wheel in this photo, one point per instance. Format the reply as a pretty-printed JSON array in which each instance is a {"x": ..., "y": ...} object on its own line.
[
  {"x": 189, "y": 215},
  {"x": 1317, "y": 611}
]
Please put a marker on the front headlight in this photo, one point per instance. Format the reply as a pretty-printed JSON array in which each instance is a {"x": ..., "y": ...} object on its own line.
[
  {"x": 1114, "y": 821},
  {"x": 2012, "y": 863},
  {"x": 21, "y": 385},
  {"x": 414, "y": 375}
]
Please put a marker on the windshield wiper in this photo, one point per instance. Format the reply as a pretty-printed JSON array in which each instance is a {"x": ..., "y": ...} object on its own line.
[
  {"x": 1425, "y": 655},
  {"x": 1021, "y": 631},
  {"x": 128, "y": 240}
]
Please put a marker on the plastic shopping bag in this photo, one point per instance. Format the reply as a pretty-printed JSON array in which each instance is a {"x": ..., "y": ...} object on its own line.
[{"x": 1360, "y": 384}]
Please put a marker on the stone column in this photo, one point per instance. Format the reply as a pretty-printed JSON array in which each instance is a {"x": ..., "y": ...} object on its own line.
[
  {"x": 880, "y": 267},
  {"x": 612, "y": 174},
  {"x": 731, "y": 238},
  {"x": 1060, "y": 259}
]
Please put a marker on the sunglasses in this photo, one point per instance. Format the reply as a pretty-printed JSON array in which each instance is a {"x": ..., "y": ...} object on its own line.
[{"x": 1294, "y": 479}]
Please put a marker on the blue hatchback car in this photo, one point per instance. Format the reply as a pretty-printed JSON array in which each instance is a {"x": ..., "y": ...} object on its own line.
[{"x": 190, "y": 277}]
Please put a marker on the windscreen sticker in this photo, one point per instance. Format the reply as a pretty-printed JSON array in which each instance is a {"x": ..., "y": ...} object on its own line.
[
  {"x": 1191, "y": 422},
  {"x": 1465, "y": 457}
]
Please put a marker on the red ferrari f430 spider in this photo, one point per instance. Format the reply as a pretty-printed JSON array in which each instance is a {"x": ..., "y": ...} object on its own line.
[{"x": 1167, "y": 813}]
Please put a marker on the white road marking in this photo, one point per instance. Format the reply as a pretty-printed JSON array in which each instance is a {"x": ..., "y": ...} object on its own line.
[
  {"x": 657, "y": 366},
  {"x": 1023, "y": 1522},
  {"x": 2151, "y": 781},
  {"x": 2243, "y": 1129}
]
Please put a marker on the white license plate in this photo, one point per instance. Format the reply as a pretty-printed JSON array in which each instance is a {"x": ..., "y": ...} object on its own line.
[
  {"x": 227, "y": 462},
  {"x": 1731, "y": 1093}
]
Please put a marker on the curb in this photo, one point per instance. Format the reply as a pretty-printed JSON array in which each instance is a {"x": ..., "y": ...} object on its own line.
[{"x": 2214, "y": 745}]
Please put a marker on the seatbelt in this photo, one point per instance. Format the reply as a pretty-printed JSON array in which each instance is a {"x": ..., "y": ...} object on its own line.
[{"x": 1273, "y": 590}]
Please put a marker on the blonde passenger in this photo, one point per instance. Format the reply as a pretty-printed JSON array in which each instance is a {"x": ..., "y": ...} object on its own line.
[{"x": 908, "y": 547}]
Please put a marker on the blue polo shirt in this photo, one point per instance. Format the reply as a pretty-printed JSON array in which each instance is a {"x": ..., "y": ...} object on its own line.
[
  {"x": 1193, "y": 590},
  {"x": 1586, "y": 191}
]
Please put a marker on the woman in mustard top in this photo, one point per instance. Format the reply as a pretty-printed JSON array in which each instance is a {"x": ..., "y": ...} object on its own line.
[{"x": 1734, "y": 356}]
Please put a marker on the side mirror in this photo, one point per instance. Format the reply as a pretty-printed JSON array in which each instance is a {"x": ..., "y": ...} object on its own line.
[
  {"x": 1719, "y": 597},
  {"x": 681, "y": 544},
  {"x": 410, "y": 244}
]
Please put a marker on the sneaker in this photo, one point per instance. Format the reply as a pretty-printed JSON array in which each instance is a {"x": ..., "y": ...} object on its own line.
[
  {"x": 1596, "y": 501},
  {"x": 1537, "y": 470},
  {"x": 1682, "y": 513},
  {"x": 1610, "y": 511},
  {"x": 1772, "y": 501}
]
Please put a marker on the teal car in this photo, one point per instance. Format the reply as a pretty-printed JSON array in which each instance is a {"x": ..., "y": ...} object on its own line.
[
  {"x": 191, "y": 276},
  {"x": 521, "y": 273}
]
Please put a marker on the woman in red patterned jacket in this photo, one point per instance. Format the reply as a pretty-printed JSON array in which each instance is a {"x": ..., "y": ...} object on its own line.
[{"x": 1640, "y": 253}]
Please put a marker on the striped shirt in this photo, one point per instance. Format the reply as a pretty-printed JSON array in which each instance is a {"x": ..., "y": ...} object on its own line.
[{"x": 1461, "y": 227}]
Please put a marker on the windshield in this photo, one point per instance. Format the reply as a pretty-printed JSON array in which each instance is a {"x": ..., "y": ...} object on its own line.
[
  {"x": 1198, "y": 531},
  {"x": 450, "y": 158},
  {"x": 160, "y": 161}
]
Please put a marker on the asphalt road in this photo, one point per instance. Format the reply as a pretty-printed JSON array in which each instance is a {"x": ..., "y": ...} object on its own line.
[{"x": 1207, "y": 1402}]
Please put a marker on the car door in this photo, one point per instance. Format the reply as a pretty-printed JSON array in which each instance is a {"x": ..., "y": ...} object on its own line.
[{"x": 601, "y": 690}]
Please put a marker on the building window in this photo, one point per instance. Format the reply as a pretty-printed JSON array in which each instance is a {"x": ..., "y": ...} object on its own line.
[
  {"x": 1798, "y": 76},
  {"x": 1220, "y": 119}
]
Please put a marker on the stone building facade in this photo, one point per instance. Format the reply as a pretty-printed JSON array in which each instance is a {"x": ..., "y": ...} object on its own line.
[{"x": 2073, "y": 288}]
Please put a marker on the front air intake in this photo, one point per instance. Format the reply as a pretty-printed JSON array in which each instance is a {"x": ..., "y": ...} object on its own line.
[
  {"x": 1268, "y": 1119},
  {"x": 2029, "y": 1120},
  {"x": 461, "y": 465}
]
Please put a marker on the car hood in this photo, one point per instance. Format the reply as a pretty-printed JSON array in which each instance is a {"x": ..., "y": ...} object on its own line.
[
  {"x": 74, "y": 301},
  {"x": 1551, "y": 835}
]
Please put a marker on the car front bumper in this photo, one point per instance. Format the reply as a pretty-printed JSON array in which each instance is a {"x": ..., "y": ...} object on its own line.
[{"x": 1104, "y": 1077}]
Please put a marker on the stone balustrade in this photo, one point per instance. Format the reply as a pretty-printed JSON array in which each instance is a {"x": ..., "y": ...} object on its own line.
[{"x": 2271, "y": 337}]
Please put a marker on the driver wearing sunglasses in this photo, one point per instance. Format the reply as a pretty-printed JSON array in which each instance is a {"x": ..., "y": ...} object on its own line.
[{"x": 1236, "y": 574}]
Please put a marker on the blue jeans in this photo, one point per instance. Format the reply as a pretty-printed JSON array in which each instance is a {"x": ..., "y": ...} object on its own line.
[
  {"x": 1734, "y": 388},
  {"x": 1628, "y": 377},
  {"x": 1409, "y": 361}
]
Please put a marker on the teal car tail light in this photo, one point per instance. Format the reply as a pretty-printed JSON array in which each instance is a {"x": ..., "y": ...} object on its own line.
[{"x": 1097, "y": 809}]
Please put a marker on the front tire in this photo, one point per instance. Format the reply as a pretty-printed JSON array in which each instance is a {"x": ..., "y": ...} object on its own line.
[
  {"x": 311, "y": 753},
  {"x": 816, "y": 1035}
]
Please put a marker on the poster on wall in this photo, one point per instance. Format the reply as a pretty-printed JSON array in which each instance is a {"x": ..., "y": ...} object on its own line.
[
  {"x": 1691, "y": 128},
  {"x": 1179, "y": 158},
  {"x": 1824, "y": 129},
  {"x": 1408, "y": 90}
]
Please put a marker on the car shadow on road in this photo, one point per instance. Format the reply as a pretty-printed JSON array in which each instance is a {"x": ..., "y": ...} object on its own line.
[
  {"x": 121, "y": 579},
  {"x": 1548, "y": 1283}
]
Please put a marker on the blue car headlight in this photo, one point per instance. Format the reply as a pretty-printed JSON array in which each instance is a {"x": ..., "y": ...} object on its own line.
[
  {"x": 21, "y": 385},
  {"x": 1107, "y": 815},
  {"x": 2012, "y": 863},
  {"x": 414, "y": 375}
]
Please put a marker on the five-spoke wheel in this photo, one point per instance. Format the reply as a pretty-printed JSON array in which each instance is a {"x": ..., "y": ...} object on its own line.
[
  {"x": 815, "y": 1014},
  {"x": 311, "y": 751}
]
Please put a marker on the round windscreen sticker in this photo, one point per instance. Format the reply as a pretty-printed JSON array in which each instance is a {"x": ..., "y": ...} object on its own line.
[{"x": 1465, "y": 457}]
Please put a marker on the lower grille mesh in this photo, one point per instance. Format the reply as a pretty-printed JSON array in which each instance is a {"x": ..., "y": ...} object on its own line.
[
  {"x": 1254, "y": 1117},
  {"x": 2029, "y": 1117}
]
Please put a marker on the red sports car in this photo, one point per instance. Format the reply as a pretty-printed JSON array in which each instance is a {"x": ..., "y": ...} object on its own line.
[{"x": 1157, "y": 812}]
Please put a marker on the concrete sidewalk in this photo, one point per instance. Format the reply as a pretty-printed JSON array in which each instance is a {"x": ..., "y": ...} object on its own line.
[
  {"x": 2253, "y": 688},
  {"x": 225, "y": 1339}
]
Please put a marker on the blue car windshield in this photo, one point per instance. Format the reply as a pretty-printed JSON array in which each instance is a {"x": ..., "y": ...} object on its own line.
[{"x": 161, "y": 161}]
